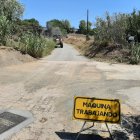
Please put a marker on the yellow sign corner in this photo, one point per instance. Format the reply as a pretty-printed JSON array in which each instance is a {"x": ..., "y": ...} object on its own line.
[{"x": 93, "y": 109}]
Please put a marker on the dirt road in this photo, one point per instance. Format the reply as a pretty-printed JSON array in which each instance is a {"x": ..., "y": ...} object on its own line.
[{"x": 47, "y": 88}]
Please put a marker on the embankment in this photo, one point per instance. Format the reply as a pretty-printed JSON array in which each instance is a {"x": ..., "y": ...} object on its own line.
[{"x": 10, "y": 56}]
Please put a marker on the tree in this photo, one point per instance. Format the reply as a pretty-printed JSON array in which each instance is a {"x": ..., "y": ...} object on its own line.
[
  {"x": 11, "y": 9},
  {"x": 31, "y": 21},
  {"x": 89, "y": 28},
  {"x": 54, "y": 25},
  {"x": 112, "y": 28},
  {"x": 10, "y": 12},
  {"x": 56, "y": 31},
  {"x": 92, "y": 32},
  {"x": 5, "y": 28},
  {"x": 82, "y": 27},
  {"x": 63, "y": 25},
  {"x": 29, "y": 25},
  {"x": 49, "y": 28},
  {"x": 67, "y": 25}
]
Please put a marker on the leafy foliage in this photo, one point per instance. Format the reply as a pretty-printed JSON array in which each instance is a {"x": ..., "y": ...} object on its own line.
[
  {"x": 5, "y": 28},
  {"x": 23, "y": 35},
  {"x": 28, "y": 25},
  {"x": 135, "y": 54},
  {"x": 112, "y": 28},
  {"x": 63, "y": 26},
  {"x": 10, "y": 11},
  {"x": 36, "y": 46},
  {"x": 83, "y": 27},
  {"x": 116, "y": 29},
  {"x": 66, "y": 25}
]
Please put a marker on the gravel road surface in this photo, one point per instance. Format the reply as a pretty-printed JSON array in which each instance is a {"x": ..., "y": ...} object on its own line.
[{"x": 47, "y": 87}]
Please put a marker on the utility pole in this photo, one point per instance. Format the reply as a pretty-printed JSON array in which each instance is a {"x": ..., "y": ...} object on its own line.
[{"x": 87, "y": 35}]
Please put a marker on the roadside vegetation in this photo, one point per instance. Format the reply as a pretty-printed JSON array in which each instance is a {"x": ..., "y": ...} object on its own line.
[
  {"x": 58, "y": 27},
  {"x": 23, "y": 35},
  {"x": 83, "y": 28},
  {"x": 114, "y": 38},
  {"x": 34, "y": 45},
  {"x": 112, "y": 35}
]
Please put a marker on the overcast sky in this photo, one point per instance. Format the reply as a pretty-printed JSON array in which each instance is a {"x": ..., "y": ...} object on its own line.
[{"x": 75, "y": 10}]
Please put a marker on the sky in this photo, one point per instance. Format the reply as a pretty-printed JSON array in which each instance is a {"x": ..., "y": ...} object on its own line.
[{"x": 75, "y": 10}]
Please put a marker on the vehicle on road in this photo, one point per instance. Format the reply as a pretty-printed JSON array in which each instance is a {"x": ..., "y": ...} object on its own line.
[{"x": 59, "y": 41}]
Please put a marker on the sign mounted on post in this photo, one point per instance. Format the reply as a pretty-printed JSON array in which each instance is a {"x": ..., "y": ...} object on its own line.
[{"x": 93, "y": 109}]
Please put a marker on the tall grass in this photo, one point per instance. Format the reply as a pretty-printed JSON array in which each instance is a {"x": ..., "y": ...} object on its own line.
[{"x": 34, "y": 45}]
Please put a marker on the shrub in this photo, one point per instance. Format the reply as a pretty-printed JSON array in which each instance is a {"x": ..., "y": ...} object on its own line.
[
  {"x": 50, "y": 45},
  {"x": 12, "y": 43},
  {"x": 10, "y": 12},
  {"x": 34, "y": 45},
  {"x": 5, "y": 28},
  {"x": 135, "y": 54}
]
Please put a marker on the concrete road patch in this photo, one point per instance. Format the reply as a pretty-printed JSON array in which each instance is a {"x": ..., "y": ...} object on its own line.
[
  {"x": 47, "y": 88},
  {"x": 11, "y": 121}
]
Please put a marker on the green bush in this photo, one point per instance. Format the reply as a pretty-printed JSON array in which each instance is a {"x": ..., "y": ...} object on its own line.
[
  {"x": 5, "y": 28},
  {"x": 50, "y": 45},
  {"x": 135, "y": 54},
  {"x": 10, "y": 12},
  {"x": 12, "y": 43},
  {"x": 36, "y": 46}
]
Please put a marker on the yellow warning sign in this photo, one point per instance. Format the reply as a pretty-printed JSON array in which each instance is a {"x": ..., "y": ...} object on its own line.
[{"x": 93, "y": 109}]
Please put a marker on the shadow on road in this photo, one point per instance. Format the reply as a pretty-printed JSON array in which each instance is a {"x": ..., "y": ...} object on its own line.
[
  {"x": 72, "y": 136},
  {"x": 118, "y": 135},
  {"x": 129, "y": 123}
]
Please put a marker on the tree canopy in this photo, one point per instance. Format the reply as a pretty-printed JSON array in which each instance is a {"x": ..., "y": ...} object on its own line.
[
  {"x": 115, "y": 28},
  {"x": 63, "y": 25},
  {"x": 10, "y": 12},
  {"x": 83, "y": 27},
  {"x": 29, "y": 25},
  {"x": 11, "y": 9}
]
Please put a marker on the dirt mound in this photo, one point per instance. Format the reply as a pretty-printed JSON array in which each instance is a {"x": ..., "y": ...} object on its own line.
[
  {"x": 113, "y": 53},
  {"x": 75, "y": 39},
  {"x": 79, "y": 41},
  {"x": 104, "y": 50},
  {"x": 9, "y": 56}
]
